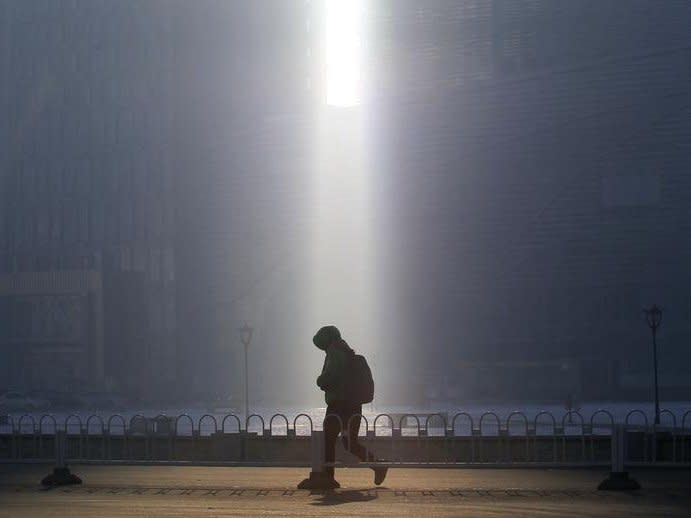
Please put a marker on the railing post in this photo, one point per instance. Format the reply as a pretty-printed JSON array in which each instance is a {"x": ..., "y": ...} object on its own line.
[
  {"x": 318, "y": 479},
  {"x": 61, "y": 475},
  {"x": 318, "y": 451},
  {"x": 618, "y": 479},
  {"x": 60, "y": 448}
]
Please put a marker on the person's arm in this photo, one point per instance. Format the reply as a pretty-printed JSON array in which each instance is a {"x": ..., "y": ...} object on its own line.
[{"x": 331, "y": 372}]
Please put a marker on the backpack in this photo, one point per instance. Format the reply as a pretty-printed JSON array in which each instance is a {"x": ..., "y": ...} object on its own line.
[{"x": 360, "y": 385}]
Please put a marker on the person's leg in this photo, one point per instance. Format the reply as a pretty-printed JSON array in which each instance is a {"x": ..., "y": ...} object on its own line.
[
  {"x": 332, "y": 427},
  {"x": 352, "y": 443},
  {"x": 352, "y": 419}
]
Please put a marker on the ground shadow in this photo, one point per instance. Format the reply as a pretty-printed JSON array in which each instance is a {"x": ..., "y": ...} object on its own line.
[{"x": 337, "y": 497}]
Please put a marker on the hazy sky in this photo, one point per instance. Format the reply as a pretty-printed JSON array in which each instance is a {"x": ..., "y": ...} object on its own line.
[{"x": 501, "y": 186}]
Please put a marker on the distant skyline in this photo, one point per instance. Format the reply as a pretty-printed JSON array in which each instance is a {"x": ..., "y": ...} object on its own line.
[{"x": 512, "y": 187}]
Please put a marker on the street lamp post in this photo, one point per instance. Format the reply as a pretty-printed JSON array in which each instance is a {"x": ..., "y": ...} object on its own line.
[
  {"x": 654, "y": 316},
  {"x": 246, "y": 337}
]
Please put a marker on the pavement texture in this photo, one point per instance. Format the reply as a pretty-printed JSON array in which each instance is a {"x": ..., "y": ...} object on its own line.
[{"x": 216, "y": 491}]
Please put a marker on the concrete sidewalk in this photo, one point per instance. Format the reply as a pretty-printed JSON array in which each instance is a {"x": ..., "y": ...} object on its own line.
[{"x": 205, "y": 491}]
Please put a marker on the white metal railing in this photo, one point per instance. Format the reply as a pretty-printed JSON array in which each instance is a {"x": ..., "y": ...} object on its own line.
[{"x": 435, "y": 440}]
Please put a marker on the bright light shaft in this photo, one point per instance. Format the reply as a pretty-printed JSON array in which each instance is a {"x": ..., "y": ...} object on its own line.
[{"x": 343, "y": 52}]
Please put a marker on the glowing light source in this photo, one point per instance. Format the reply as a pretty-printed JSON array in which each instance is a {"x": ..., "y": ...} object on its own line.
[{"x": 343, "y": 52}]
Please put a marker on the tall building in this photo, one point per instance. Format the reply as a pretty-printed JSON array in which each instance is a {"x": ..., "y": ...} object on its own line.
[
  {"x": 87, "y": 265},
  {"x": 137, "y": 141},
  {"x": 540, "y": 146}
]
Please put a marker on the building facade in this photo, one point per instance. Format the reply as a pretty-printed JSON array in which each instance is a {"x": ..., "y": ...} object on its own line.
[
  {"x": 542, "y": 145},
  {"x": 87, "y": 186},
  {"x": 529, "y": 164}
]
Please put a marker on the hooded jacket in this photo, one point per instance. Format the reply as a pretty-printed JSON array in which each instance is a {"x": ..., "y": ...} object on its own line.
[{"x": 333, "y": 377}]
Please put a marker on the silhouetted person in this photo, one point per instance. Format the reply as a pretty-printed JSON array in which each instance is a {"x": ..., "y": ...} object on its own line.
[{"x": 342, "y": 415}]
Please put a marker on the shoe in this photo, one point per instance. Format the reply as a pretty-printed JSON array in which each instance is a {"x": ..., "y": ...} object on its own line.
[
  {"x": 319, "y": 481},
  {"x": 379, "y": 475}
]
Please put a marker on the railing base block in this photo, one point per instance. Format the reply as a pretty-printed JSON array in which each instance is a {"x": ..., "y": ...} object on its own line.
[
  {"x": 619, "y": 481},
  {"x": 318, "y": 480},
  {"x": 61, "y": 477}
]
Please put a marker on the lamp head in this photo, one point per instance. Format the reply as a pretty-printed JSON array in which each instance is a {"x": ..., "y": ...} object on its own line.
[
  {"x": 246, "y": 334},
  {"x": 653, "y": 315}
]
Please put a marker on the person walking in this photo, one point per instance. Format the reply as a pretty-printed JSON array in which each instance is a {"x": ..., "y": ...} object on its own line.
[{"x": 343, "y": 413}]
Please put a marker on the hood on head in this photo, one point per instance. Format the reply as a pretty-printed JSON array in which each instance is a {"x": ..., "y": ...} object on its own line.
[{"x": 326, "y": 336}]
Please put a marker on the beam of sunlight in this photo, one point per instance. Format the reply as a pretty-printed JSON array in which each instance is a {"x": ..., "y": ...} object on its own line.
[
  {"x": 344, "y": 29},
  {"x": 341, "y": 267},
  {"x": 342, "y": 282}
]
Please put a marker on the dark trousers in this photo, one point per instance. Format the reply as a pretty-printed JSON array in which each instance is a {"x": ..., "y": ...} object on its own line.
[{"x": 332, "y": 427}]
